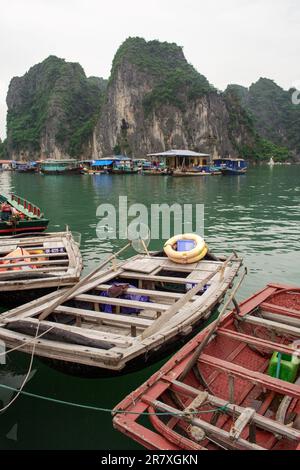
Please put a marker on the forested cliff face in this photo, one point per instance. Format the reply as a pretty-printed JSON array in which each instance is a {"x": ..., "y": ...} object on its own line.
[
  {"x": 275, "y": 116},
  {"x": 154, "y": 100},
  {"x": 52, "y": 110}
]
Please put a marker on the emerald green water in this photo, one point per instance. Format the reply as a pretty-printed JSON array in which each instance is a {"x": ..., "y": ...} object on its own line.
[{"x": 258, "y": 215}]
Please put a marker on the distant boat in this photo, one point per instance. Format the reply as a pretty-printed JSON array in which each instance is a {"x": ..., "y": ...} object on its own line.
[
  {"x": 60, "y": 167},
  {"x": 271, "y": 162},
  {"x": 190, "y": 173},
  {"x": 25, "y": 167},
  {"x": 17, "y": 215},
  {"x": 231, "y": 166}
]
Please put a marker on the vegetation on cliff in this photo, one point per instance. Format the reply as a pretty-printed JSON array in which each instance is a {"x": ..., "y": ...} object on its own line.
[
  {"x": 53, "y": 96},
  {"x": 175, "y": 81},
  {"x": 275, "y": 118},
  {"x": 3, "y": 151}
]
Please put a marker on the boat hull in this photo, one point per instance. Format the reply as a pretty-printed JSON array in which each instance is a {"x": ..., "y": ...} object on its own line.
[
  {"x": 230, "y": 171},
  {"x": 26, "y": 226},
  {"x": 71, "y": 171},
  {"x": 225, "y": 386}
]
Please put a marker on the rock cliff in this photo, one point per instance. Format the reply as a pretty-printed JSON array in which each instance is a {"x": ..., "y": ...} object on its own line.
[
  {"x": 52, "y": 110},
  {"x": 155, "y": 100}
]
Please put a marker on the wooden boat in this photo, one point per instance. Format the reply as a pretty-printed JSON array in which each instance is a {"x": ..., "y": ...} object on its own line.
[
  {"x": 190, "y": 173},
  {"x": 17, "y": 215},
  {"x": 124, "y": 317},
  {"x": 35, "y": 265},
  {"x": 60, "y": 167},
  {"x": 231, "y": 166},
  {"x": 26, "y": 167},
  {"x": 220, "y": 389}
]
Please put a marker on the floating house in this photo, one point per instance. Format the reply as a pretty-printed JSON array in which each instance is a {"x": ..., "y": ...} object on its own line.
[
  {"x": 60, "y": 167},
  {"x": 96, "y": 167},
  {"x": 181, "y": 159}
]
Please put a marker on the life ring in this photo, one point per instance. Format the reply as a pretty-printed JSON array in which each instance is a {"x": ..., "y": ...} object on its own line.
[
  {"x": 191, "y": 260},
  {"x": 186, "y": 257}
]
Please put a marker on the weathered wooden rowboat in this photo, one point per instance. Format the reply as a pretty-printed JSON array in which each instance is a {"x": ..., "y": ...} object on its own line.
[
  {"x": 34, "y": 265},
  {"x": 225, "y": 395},
  {"x": 96, "y": 332}
]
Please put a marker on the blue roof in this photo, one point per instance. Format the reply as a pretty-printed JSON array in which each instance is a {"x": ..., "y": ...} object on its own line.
[{"x": 101, "y": 162}]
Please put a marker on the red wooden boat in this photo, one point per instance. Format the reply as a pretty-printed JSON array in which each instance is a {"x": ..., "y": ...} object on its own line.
[{"x": 237, "y": 395}]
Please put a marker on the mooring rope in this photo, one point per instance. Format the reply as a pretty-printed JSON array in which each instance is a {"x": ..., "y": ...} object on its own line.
[
  {"x": 20, "y": 390},
  {"x": 104, "y": 410}
]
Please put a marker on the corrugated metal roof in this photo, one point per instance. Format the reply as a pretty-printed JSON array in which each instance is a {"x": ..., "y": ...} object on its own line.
[{"x": 178, "y": 153}]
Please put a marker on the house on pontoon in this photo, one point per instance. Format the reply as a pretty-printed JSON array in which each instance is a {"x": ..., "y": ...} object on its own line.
[{"x": 180, "y": 159}]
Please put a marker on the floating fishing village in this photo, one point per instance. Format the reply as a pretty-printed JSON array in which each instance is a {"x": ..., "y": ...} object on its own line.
[{"x": 137, "y": 313}]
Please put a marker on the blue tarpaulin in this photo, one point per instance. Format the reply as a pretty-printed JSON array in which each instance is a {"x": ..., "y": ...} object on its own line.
[{"x": 102, "y": 162}]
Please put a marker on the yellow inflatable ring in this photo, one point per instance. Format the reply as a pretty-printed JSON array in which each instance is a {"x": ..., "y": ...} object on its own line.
[
  {"x": 183, "y": 256},
  {"x": 191, "y": 260}
]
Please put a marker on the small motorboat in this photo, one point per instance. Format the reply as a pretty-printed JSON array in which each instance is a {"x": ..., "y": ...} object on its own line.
[
  {"x": 236, "y": 385},
  {"x": 231, "y": 166},
  {"x": 33, "y": 265},
  {"x": 125, "y": 316},
  {"x": 17, "y": 215}
]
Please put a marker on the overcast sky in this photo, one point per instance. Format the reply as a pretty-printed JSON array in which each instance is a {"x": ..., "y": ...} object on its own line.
[{"x": 232, "y": 41}]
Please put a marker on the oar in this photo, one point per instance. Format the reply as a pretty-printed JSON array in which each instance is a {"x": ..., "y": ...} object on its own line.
[
  {"x": 215, "y": 325},
  {"x": 81, "y": 283},
  {"x": 158, "y": 324}
]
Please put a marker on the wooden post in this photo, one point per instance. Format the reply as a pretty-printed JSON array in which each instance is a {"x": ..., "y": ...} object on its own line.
[{"x": 133, "y": 331}]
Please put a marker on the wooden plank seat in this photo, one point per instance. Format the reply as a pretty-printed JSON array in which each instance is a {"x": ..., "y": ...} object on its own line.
[
  {"x": 149, "y": 292},
  {"x": 258, "y": 378},
  {"x": 126, "y": 320},
  {"x": 162, "y": 279},
  {"x": 32, "y": 262},
  {"x": 255, "y": 341},
  {"x": 37, "y": 256},
  {"x": 265, "y": 306},
  {"x": 122, "y": 302},
  {"x": 33, "y": 272},
  {"x": 277, "y": 326}
]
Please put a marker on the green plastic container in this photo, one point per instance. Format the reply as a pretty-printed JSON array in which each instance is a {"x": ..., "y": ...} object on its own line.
[{"x": 288, "y": 369}]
